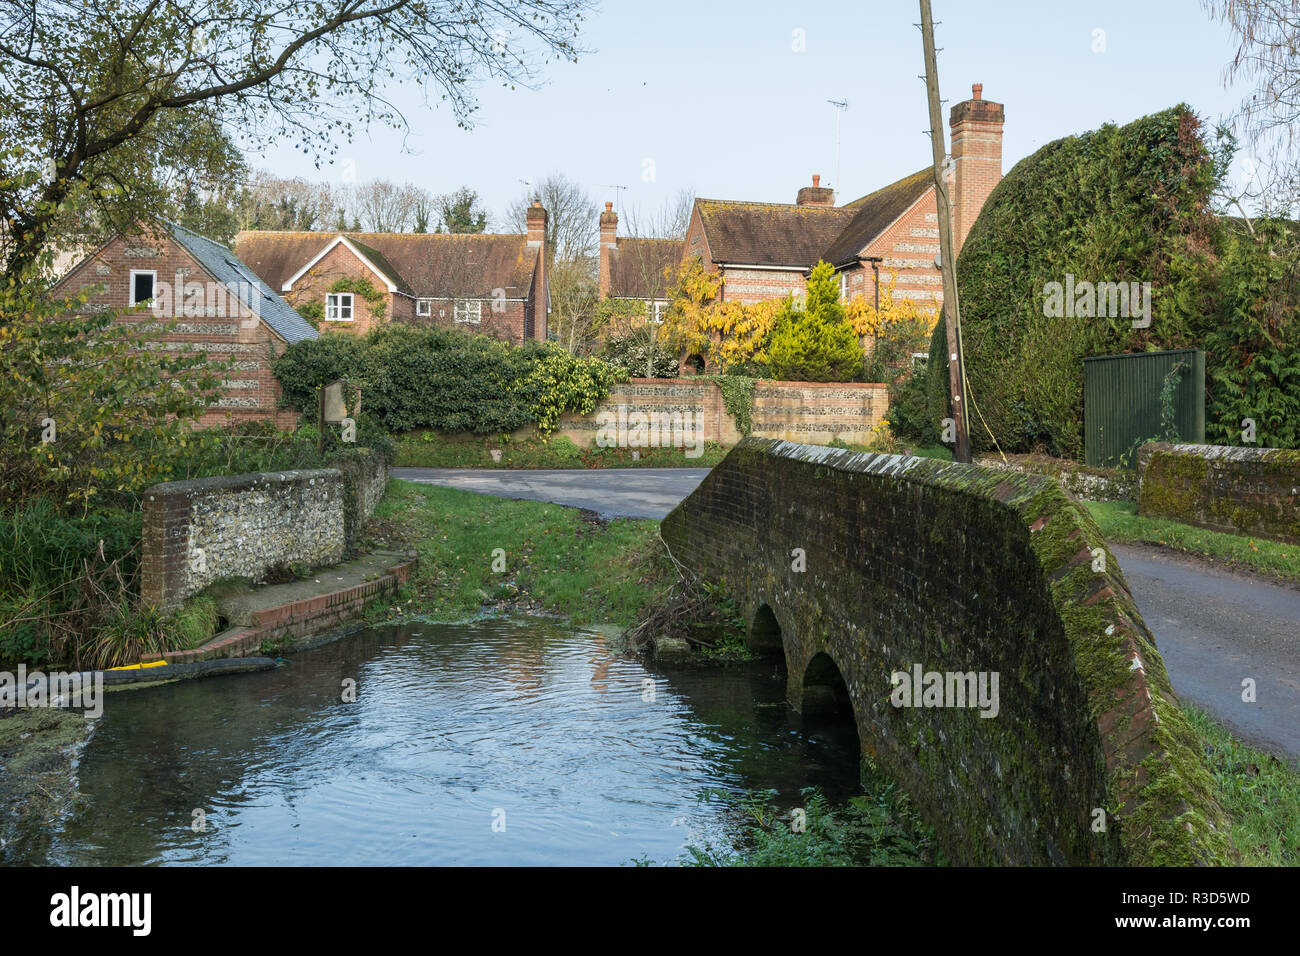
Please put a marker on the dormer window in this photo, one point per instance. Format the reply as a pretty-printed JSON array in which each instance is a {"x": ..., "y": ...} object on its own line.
[{"x": 143, "y": 285}]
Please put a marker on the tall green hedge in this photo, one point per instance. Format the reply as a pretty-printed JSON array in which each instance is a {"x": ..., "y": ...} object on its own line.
[
  {"x": 446, "y": 379},
  {"x": 1119, "y": 204}
]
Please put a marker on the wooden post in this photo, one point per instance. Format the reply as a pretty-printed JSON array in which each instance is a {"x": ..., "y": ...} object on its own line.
[{"x": 947, "y": 259}]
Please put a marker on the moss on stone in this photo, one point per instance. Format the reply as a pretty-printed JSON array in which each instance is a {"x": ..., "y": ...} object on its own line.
[{"x": 882, "y": 591}]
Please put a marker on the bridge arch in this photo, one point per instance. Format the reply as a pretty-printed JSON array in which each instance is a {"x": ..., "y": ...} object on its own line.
[
  {"x": 957, "y": 578},
  {"x": 764, "y": 634}
]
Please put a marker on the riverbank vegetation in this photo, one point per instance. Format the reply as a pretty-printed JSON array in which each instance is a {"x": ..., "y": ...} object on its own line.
[
  {"x": 70, "y": 571},
  {"x": 877, "y": 828},
  {"x": 476, "y": 552}
]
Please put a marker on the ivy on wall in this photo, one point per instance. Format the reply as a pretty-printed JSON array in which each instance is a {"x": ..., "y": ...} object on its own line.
[
  {"x": 375, "y": 298},
  {"x": 737, "y": 398}
]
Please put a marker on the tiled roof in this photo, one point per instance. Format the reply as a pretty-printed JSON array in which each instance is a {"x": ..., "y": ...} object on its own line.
[
  {"x": 230, "y": 271},
  {"x": 770, "y": 234},
  {"x": 873, "y": 214},
  {"x": 782, "y": 234},
  {"x": 636, "y": 267},
  {"x": 427, "y": 265}
]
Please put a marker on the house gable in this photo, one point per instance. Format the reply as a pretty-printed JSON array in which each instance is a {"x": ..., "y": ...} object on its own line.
[
  {"x": 215, "y": 310},
  {"x": 388, "y": 276}
]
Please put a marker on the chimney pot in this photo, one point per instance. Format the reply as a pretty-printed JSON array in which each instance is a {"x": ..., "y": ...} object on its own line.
[
  {"x": 608, "y": 206},
  {"x": 977, "y": 91},
  {"x": 817, "y": 180}
]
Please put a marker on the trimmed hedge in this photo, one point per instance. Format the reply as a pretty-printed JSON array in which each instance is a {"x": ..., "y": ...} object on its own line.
[
  {"x": 446, "y": 379},
  {"x": 1117, "y": 204}
]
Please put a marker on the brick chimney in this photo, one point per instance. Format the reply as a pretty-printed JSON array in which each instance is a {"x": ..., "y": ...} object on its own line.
[
  {"x": 608, "y": 245},
  {"x": 815, "y": 195},
  {"x": 537, "y": 239},
  {"x": 976, "y": 156}
]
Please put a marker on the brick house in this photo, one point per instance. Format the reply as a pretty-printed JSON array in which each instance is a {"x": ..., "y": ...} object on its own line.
[
  {"x": 766, "y": 250},
  {"x": 493, "y": 284},
  {"x": 636, "y": 269},
  {"x": 218, "y": 303}
]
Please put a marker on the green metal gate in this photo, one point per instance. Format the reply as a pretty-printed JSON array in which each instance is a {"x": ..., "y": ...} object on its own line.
[{"x": 1121, "y": 401}]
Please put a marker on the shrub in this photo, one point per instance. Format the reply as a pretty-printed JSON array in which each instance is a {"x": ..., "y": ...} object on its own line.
[
  {"x": 557, "y": 382},
  {"x": 446, "y": 379},
  {"x": 909, "y": 408},
  {"x": 631, "y": 353},
  {"x": 54, "y": 589},
  {"x": 1253, "y": 344},
  {"x": 91, "y": 409},
  {"x": 816, "y": 344}
]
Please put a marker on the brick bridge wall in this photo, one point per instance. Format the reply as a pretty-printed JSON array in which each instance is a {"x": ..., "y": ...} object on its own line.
[
  {"x": 958, "y": 569},
  {"x": 1252, "y": 491},
  {"x": 198, "y": 531}
]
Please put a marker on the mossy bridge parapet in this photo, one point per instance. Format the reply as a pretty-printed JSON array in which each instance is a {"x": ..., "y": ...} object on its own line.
[{"x": 961, "y": 569}]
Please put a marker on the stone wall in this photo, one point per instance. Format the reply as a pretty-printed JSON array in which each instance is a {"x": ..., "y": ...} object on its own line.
[
  {"x": 796, "y": 411},
  {"x": 881, "y": 563},
  {"x": 1089, "y": 482},
  {"x": 817, "y": 412},
  {"x": 196, "y": 532},
  {"x": 1253, "y": 491}
]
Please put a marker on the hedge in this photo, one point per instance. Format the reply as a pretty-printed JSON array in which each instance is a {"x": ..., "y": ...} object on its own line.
[
  {"x": 446, "y": 379},
  {"x": 1117, "y": 204}
]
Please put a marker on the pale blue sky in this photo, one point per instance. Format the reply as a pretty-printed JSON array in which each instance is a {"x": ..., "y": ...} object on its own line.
[{"x": 716, "y": 96}]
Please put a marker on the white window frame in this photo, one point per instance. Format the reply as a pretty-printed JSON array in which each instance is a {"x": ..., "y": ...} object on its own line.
[
  {"x": 131, "y": 291},
  {"x": 658, "y": 309},
  {"x": 337, "y": 314},
  {"x": 844, "y": 286},
  {"x": 472, "y": 316},
  {"x": 424, "y": 307}
]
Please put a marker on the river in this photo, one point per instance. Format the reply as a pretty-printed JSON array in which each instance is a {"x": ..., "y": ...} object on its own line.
[{"x": 508, "y": 741}]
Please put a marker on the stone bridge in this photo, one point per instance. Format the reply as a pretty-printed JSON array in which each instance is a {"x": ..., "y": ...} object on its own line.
[{"x": 1043, "y": 728}]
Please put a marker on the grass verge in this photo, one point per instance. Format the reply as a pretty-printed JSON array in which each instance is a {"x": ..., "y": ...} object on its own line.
[
  {"x": 1260, "y": 793},
  {"x": 551, "y": 558},
  {"x": 429, "y": 450},
  {"x": 1120, "y": 522}
]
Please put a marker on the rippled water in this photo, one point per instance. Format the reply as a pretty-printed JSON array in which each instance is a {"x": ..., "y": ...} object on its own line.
[{"x": 535, "y": 728}]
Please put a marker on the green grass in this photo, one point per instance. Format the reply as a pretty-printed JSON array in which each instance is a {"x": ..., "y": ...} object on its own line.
[
  {"x": 1260, "y": 793},
  {"x": 1120, "y": 522},
  {"x": 589, "y": 571},
  {"x": 194, "y": 623},
  {"x": 427, "y": 450}
]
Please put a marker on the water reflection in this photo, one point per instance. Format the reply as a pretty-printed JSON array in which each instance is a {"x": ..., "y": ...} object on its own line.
[{"x": 455, "y": 727}]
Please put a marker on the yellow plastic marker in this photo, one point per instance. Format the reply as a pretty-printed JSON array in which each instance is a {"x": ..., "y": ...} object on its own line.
[{"x": 133, "y": 667}]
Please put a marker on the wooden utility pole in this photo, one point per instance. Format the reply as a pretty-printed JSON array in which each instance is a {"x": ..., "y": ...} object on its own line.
[{"x": 947, "y": 259}]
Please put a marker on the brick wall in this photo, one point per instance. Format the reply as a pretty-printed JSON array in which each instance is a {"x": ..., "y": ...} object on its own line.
[
  {"x": 198, "y": 531},
  {"x": 959, "y": 569},
  {"x": 208, "y": 320},
  {"x": 1254, "y": 491},
  {"x": 340, "y": 263},
  {"x": 760, "y": 285},
  {"x": 908, "y": 249},
  {"x": 798, "y": 411},
  {"x": 508, "y": 322}
]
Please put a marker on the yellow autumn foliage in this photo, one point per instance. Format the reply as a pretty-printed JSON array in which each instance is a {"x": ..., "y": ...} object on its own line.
[
  {"x": 727, "y": 334},
  {"x": 898, "y": 321}
]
